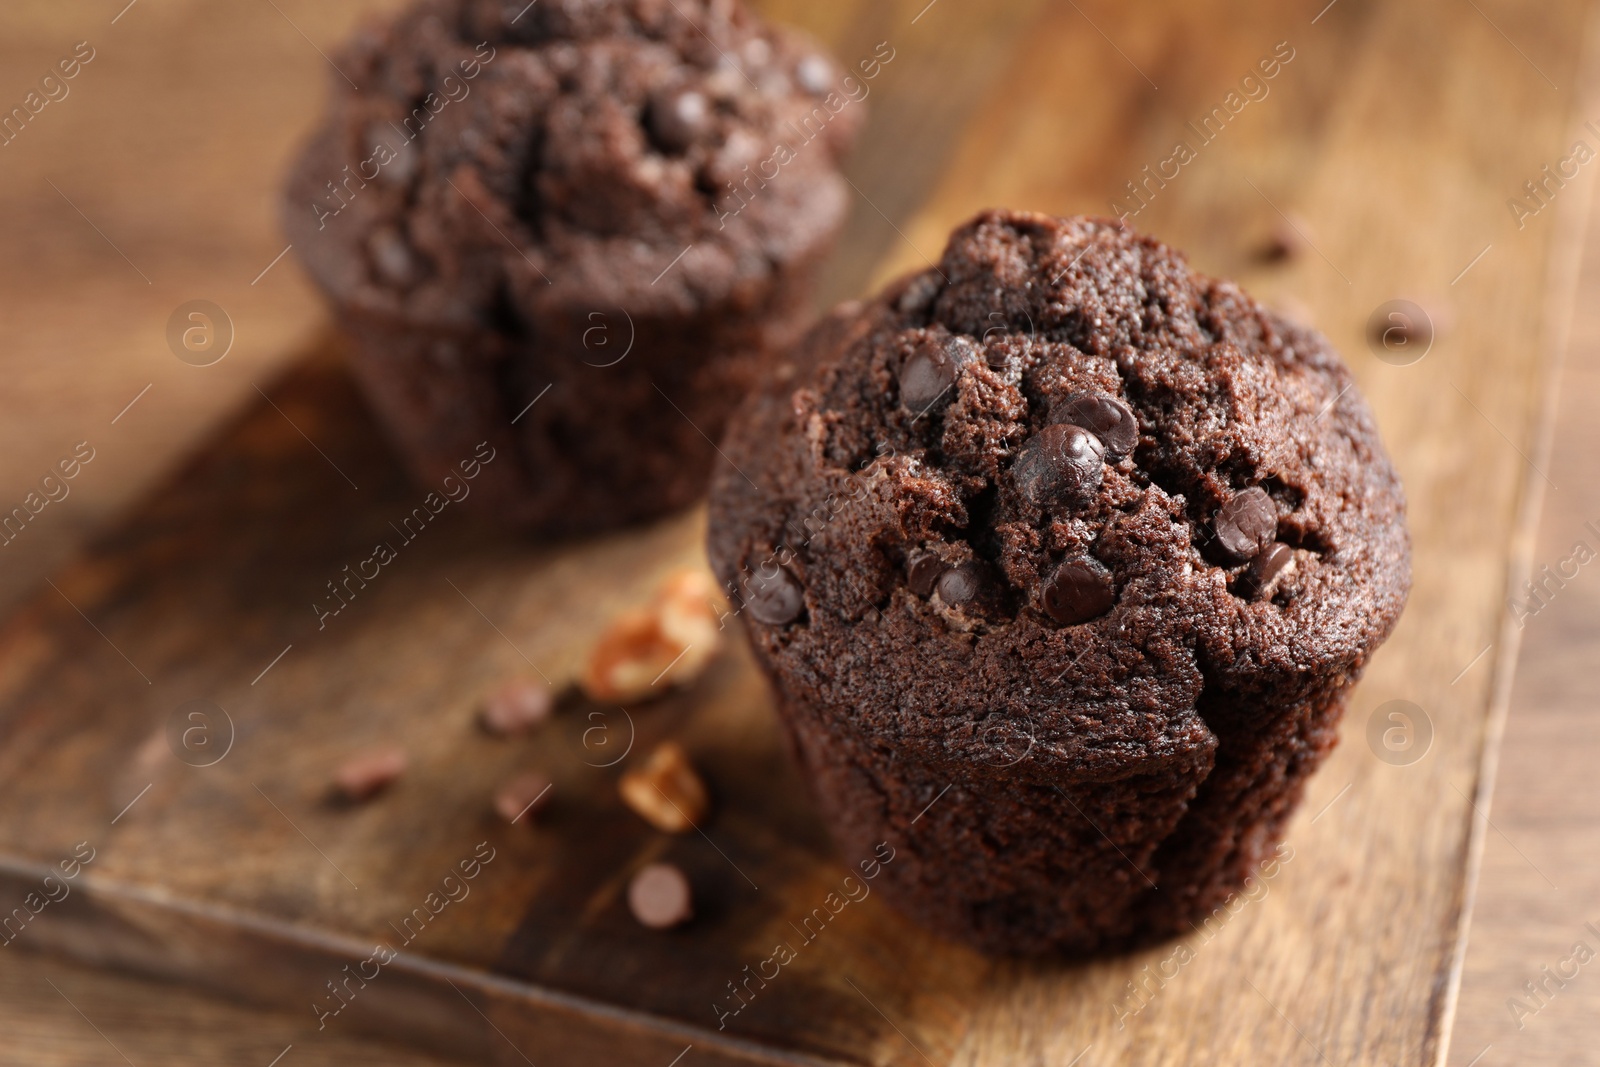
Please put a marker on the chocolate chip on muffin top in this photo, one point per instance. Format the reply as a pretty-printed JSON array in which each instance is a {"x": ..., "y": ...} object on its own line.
[
  {"x": 621, "y": 205},
  {"x": 1065, "y": 478},
  {"x": 1083, "y": 553},
  {"x": 570, "y": 153}
]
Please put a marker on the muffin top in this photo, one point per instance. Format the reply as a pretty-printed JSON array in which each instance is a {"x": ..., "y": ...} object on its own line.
[
  {"x": 656, "y": 155},
  {"x": 1052, "y": 503}
]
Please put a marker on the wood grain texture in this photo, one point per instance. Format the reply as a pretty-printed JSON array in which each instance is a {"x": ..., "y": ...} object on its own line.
[
  {"x": 917, "y": 110},
  {"x": 165, "y": 159},
  {"x": 1351, "y": 957},
  {"x": 1348, "y": 956},
  {"x": 173, "y": 143},
  {"x": 1540, "y": 877},
  {"x": 245, "y": 876}
]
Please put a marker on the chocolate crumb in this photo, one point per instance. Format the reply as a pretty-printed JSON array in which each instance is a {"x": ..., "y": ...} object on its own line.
[
  {"x": 523, "y": 797},
  {"x": 516, "y": 707},
  {"x": 369, "y": 773}
]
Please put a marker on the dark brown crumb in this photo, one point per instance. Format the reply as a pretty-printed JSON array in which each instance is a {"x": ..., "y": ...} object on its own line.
[
  {"x": 369, "y": 773},
  {"x": 522, "y": 798},
  {"x": 517, "y": 707}
]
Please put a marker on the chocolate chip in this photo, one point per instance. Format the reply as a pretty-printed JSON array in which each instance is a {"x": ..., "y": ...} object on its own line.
[
  {"x": 1246, "y": 524},
  {"x": 1079, "y": 590},
  {"x": 971, "y": 586},
  {"x": 369, "y": 773},
  {"x": 775, "y": 598},
  {"x": 1401, "y": 332},
  {"x": 677, "y": 119},
  {"x": 926, "y": 380},
  {"x": 1106, "y": 417},
  {"x": 523, "y": 797},
  {"x": 1287, "y": 241},
  {"x": 960, "y": 585},
  {"x": 1059, "y": 462},
  {"x": 659, "y": 897},
  {"x": 923, "y": 573},
  {"x": 516, "y": 707},
  {"x": 1265, "y": 570}
]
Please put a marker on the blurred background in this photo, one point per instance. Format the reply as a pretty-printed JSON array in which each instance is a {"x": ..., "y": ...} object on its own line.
[{"x": 1436, "y": 153}]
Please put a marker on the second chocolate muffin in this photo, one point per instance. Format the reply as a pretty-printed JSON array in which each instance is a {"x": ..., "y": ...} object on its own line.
[
  {"x": 573, "y": 231},
  {"x": 1063, "y": 561}
]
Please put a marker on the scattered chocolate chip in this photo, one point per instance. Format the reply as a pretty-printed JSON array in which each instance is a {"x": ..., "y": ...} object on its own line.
[
  {"x": 1059, "y": 462},
  {"x": 775, "y": 599},
  {"x": 677, "y": 119},
  {"x": 516, "y": 707},
  {"x": 1079, "y": 590},
  {"x": 1266, "y": 569},
  {"x": 926, "y": 380},
  {"x": 923, "y": 573},
  {"x": 1401, "y": 332},
  {"x": 659, "y": 897},
  {"x": 1406, "y": 330},
  {"x": 1288, "y": 240},
  {"x": 1246, "y": 524},
  {"x": 523, "y": 797},
  {"x": 368, "y": 773},
  {"x": 1106, "y": 417}
]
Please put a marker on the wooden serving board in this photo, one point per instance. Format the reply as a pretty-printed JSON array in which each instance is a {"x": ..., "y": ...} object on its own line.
[
  {"x": 246, "y": 875},
  {"x": 244, "y": 878}
]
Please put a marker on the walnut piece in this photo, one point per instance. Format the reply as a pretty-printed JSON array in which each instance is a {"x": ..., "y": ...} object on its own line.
[
  {"x": 648, "y": 651},
  {"x": 666, "y": 791}
]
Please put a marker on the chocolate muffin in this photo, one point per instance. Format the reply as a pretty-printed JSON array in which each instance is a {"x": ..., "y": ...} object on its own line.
[
  {"x": 574, "y": 231},
  {"x": 1062, "y": 560}
]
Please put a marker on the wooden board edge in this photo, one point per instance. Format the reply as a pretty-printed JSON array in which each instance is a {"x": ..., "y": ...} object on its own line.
[{"x": 119, "y": 926}]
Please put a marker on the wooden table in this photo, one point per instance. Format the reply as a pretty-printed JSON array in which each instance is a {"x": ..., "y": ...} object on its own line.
[{"x": 1391, "y": 141}]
